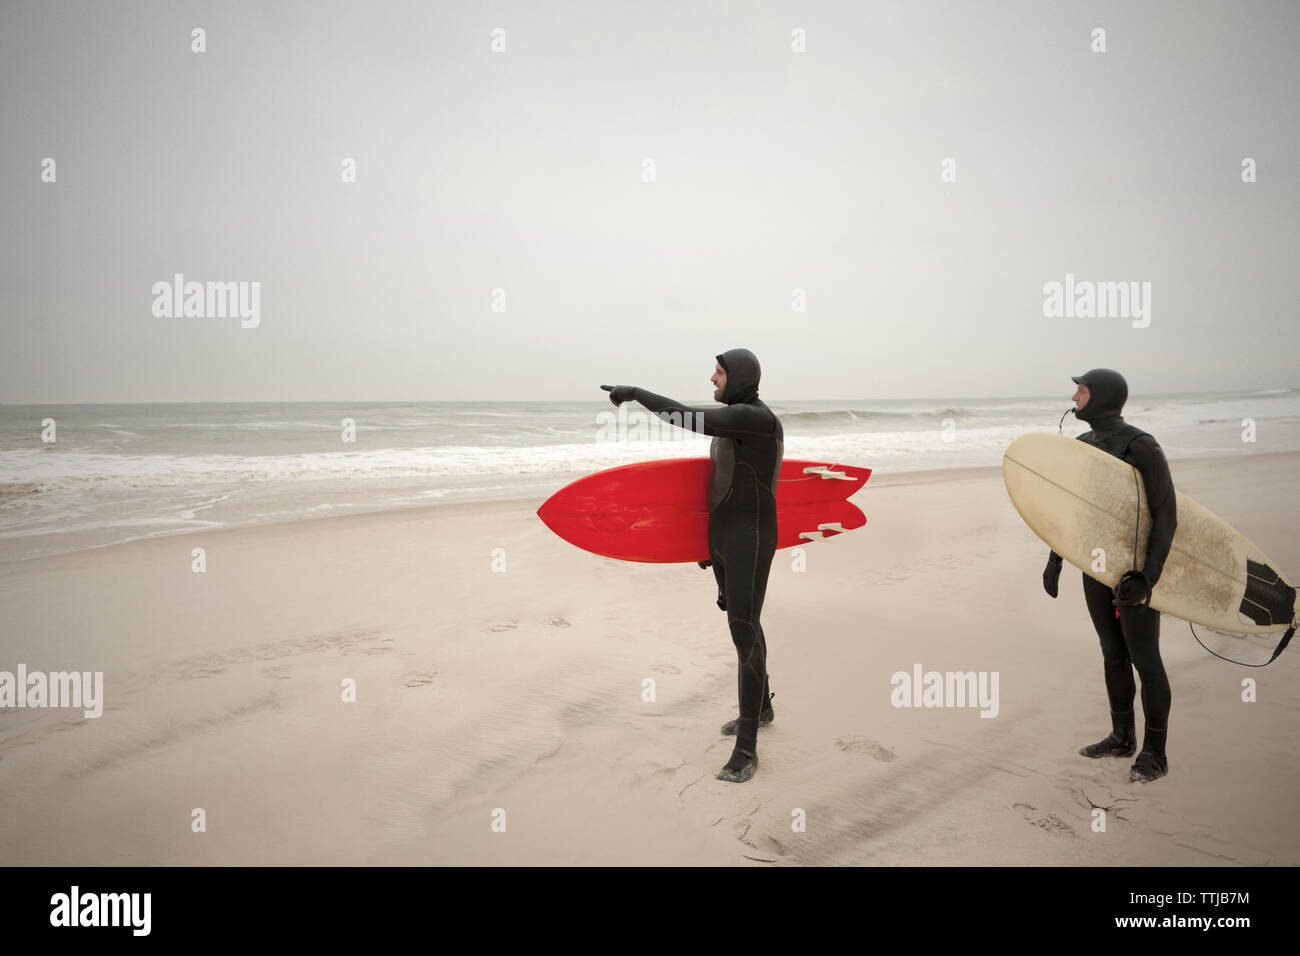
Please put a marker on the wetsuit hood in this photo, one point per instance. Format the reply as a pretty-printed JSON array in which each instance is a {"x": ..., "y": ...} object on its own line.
[
  {"x": 743, "y": 373},
  {"x": 1107, "y": 393}
]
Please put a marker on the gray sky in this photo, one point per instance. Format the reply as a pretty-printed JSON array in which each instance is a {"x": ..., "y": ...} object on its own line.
[{"x": 522, "y": 170}]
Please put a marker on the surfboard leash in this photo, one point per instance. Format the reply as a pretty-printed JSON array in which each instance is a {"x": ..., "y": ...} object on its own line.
[{"x": 1286, "y": 639}]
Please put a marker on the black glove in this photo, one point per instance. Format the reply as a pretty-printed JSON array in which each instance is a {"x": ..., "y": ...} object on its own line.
[
  {"x": 618, "y": 394},
  {"x": 1052, "y": 574},
  {"x": 1133, "y": 590}
]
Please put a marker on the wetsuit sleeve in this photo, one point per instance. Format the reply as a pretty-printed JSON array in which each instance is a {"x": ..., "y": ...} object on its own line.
[
  {"x": 729, "y": 421},
  {"x": 1161, "y": 501}
]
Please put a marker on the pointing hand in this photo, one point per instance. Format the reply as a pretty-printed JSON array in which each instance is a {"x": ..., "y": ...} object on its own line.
[{"x": 618, "y": 394}]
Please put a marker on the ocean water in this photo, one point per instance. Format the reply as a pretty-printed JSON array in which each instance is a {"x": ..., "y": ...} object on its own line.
[{"x": 117, "y": 472}]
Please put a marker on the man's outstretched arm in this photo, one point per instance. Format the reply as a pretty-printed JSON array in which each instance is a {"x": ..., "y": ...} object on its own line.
[{"x": 728, "y": 421}]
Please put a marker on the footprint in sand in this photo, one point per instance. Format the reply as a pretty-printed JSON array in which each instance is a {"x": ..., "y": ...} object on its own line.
[
  {"x": 505, "y": 626},
  {"x": 861, "y": 745},
  {"x": 201, "y": 671},
  {"x": 1043, "y": 820},
  {"x": 767, "y": 849},
  {"x": 380, "y": 646},
  {"x": 772, "y": 849},
  {"x": 664, "y": 669},
  {"x": 652, "y": 768},
  {"x": 1113, "y": 805},
  {"x": 421, "y": 679},
  {"x": 277, "y": 672},
  {"x": 556, "y": 622}
]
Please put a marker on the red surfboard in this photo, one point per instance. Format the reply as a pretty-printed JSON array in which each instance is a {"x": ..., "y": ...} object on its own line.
[{"x": 657, "y": 511}]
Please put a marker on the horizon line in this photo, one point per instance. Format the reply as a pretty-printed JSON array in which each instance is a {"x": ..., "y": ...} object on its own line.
[{"x": 540, "y": 401}]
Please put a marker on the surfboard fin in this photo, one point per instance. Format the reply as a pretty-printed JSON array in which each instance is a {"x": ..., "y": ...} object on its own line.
[
  {"x": 1237, "y": 647},
  {"x": 826, "y": 472},
  {"x": 823, "y": 531}
]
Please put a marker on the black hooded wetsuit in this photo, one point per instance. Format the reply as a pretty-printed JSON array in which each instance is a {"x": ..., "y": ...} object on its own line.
[
  {"x": 748, "y": 445},
  {"x": 1131, "y": 638}
]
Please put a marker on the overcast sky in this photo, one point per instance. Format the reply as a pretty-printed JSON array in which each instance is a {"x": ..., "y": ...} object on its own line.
[{"x": 523, "y": 170}]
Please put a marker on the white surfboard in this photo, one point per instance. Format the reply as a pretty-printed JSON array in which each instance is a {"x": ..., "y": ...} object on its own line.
[{"x": 1083, "y": 503}]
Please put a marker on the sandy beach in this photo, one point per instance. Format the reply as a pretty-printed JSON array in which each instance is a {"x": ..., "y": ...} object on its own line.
[{"x": 520, "y": 690}]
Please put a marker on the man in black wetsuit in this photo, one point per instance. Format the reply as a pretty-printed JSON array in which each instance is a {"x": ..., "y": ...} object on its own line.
[
  {"x": 1128, "y": 628},
  {"x": 748, "y": 444}
]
